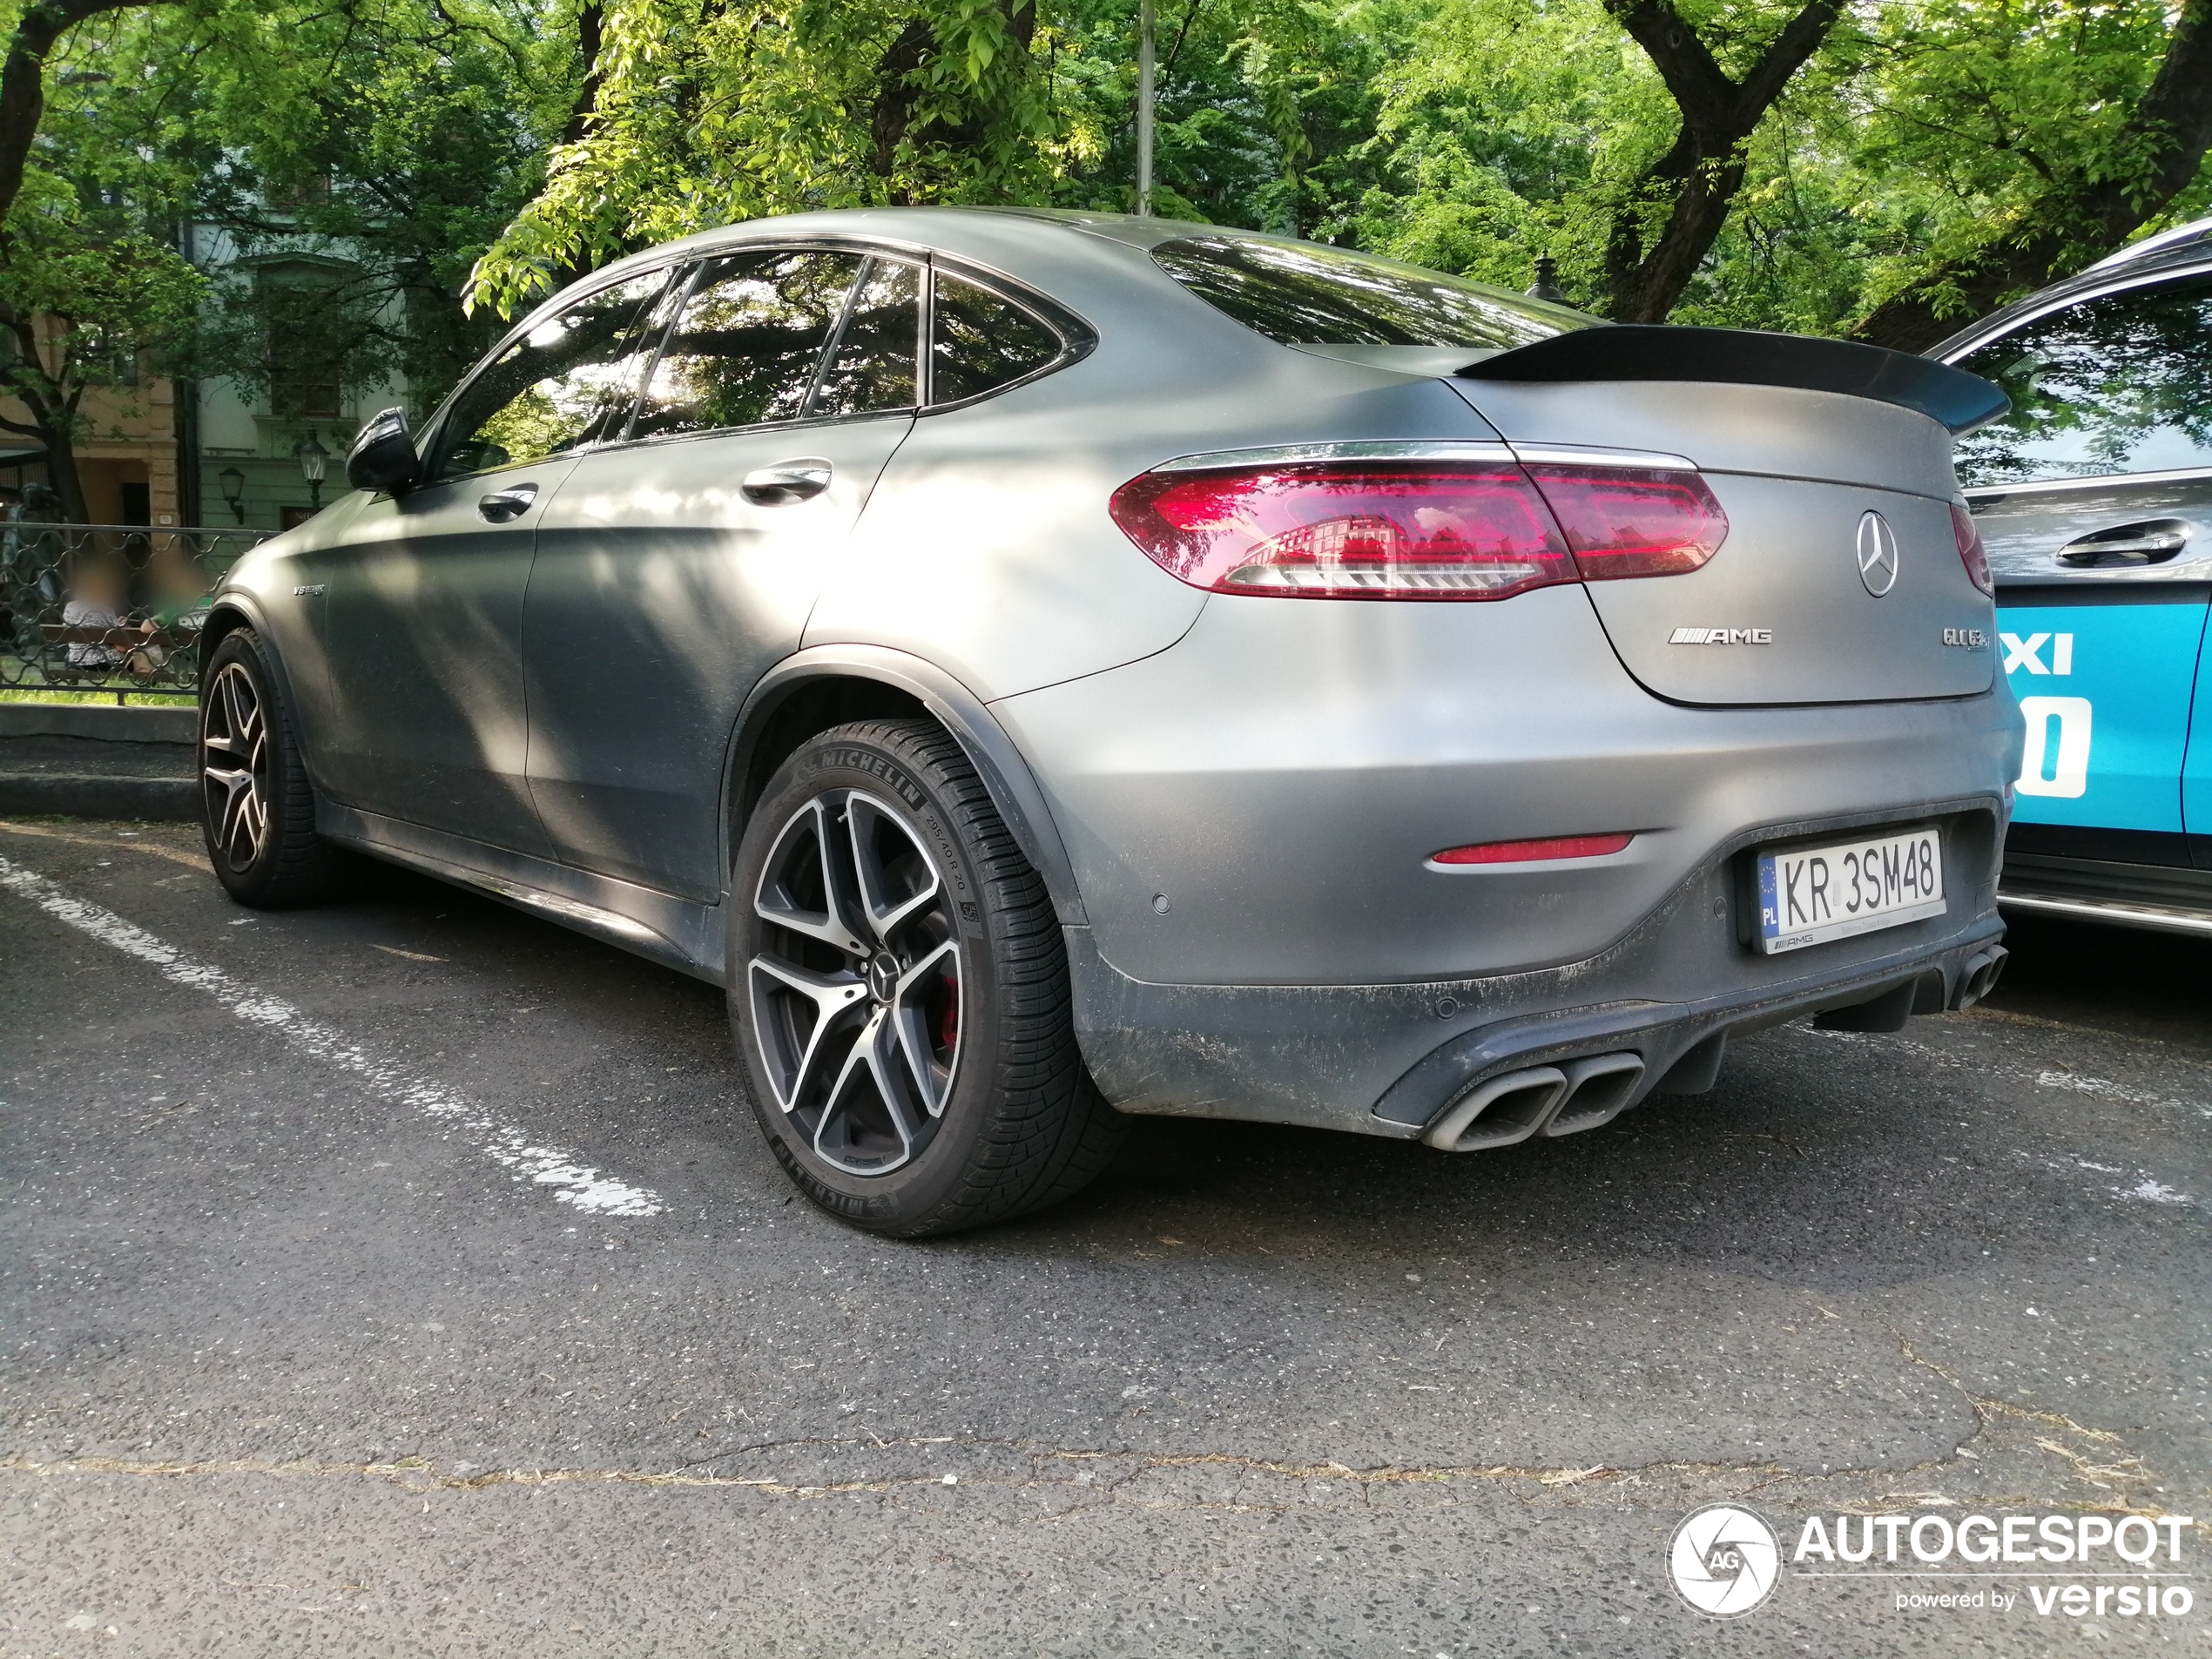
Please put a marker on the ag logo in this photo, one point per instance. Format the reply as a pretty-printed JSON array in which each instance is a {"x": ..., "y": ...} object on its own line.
[
  {"x": 1724, "y": 1560},
  {"x": 1877, "y": 553}
]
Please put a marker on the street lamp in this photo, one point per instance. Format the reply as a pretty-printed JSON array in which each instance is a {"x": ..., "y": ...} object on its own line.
[
  {"x": 314, "y": 458},
  {"x": 234, "y": 483}
]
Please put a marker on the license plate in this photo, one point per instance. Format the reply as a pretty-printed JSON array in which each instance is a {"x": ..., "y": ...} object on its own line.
[{"x": 1811, "y": 895}]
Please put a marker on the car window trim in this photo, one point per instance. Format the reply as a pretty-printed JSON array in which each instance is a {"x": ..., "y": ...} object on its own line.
[
  {"x": 844, "y": 321},
  {"x": 2124, "y": 284},
  {"x": 2141, "y": 284},
  {"x": 690, "y": 282},
  {"x": 434, "y": 429},
  {"x": 2092, "y": 480},
  {"x": 868, "y": 254}
]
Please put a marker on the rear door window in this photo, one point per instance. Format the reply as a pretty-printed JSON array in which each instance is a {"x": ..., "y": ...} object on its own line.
[
  {"x": 980, "y": 341},
  {"x": 877, "y": 361},
  {"x": 747, "y": 343},
  {"x": 2119, "y": 384}
]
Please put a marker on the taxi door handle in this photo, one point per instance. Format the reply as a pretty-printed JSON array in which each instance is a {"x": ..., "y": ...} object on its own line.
[{"x": 2152, "y": 542}]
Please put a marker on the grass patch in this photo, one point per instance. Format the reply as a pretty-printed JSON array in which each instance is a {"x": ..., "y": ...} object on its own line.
[{"x": 137, "y": 699}]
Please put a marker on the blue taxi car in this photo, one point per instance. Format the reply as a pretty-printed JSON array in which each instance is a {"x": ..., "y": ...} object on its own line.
[{"x": 2093, "y": 498}]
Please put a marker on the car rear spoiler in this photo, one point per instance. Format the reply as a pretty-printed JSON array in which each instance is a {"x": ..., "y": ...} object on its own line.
[{"x": 1959, "y": 401}]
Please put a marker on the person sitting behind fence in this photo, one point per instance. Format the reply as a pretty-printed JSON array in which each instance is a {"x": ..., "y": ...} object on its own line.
[
  {"x": 99, "y": 586},
  {"x": 180, "y": 596}
]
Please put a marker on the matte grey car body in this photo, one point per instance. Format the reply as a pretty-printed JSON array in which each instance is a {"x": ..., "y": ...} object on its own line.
[{"x": 1233, "y": 800}]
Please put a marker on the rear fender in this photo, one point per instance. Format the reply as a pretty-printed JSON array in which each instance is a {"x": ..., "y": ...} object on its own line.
[{"x": 1005, "y": 774}]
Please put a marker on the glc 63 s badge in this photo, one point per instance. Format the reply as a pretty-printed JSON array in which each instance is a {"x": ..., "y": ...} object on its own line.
[{"x": 1966, "y": 639}]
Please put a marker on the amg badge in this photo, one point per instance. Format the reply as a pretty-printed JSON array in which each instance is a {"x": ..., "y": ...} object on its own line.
[{"x": 1721, "y": 636}]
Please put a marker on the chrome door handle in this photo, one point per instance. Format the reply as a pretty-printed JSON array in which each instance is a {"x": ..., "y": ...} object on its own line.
[
  {"x": 788, "y": 481},
  {"x": 504, "y": 504},
  {"x": 2152, "y": 542}
]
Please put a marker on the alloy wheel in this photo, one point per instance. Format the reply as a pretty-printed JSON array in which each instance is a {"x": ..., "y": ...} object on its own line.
[
  {"x": 234, "y": 765},
  {"x": 856, "y": 993}
]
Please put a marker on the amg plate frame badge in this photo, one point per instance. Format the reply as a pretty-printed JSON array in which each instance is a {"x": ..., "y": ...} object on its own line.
[{"x": 1811, "y": 895}]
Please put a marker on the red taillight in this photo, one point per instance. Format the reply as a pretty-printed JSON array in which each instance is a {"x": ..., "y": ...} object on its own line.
[
  {"x": 1562, "y": 846},
  {"x": 1622, "y": 522},
  {"x": 1971, "y": 554},
  {"x": 1351, "y": 530},
  {"x": 1347, "y": 531}
]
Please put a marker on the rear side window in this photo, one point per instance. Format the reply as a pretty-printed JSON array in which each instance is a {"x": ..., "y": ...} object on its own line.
[
  {"x": 2119, "y": 384},
  {"x": 978, "y": 341},
  {"x": 877, "y": 363},
  {"x": 1304, "y": 294},
  {"x": 746, "y": 343}
]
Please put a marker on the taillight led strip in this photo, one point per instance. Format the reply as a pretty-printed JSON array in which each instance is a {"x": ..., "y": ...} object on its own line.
[{"x": 1402, "y": 520}]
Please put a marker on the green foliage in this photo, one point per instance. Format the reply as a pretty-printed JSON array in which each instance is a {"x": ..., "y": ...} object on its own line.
[
  {"x": 708, "y": 112},
  {"x": 371, "y": 154}
]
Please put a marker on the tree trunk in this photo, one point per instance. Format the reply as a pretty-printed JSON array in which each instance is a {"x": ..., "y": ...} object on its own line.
[
  {"x": 891, "y": 122},
  {"x": 591, "y": 23},
  {"x": 1701, "y": 173},
  {"x": 2081, "y": 215},
  {"x": 22, "y": 80}
]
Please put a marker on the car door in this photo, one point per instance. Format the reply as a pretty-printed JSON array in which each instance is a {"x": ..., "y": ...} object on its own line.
[
  {"x": 676, "y": 567},
  {"x": 423, "y": 613},
  {"x": 2094, "y": 497}
]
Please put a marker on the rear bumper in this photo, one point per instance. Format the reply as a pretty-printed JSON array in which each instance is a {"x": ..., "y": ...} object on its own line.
[{"x": 1393, "y": 1059}]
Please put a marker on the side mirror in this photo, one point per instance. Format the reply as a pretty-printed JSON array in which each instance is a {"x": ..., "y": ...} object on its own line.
[{"x": 383, "y": 456}]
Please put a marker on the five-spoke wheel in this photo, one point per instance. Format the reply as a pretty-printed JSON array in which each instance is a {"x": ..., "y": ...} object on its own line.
[
  {"x": 234, "y": 766},
  {"x": 257, "y": 804},
  {"x": 856, "y": 992},
  {"x": 898, "y": 989}
]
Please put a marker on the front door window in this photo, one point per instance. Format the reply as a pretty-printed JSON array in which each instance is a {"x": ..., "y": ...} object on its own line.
[
  {"x": 560, "y": 387},
  {"x": 747, "y": 343}
]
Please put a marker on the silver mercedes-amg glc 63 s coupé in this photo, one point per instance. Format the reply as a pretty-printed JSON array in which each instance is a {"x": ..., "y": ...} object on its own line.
[{"x": 1050, "y": 666}]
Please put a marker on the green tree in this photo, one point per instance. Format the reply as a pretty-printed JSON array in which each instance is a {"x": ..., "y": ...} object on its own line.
[
  {"x": 703, "y": 111},
  {"x": 85, "y": 301},
  {"x": 2018, "y": 140},
  {"x": 369, "y": 156}
]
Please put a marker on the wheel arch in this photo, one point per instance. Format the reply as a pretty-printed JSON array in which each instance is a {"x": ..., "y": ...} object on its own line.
[{"x": 827, "y": 685}]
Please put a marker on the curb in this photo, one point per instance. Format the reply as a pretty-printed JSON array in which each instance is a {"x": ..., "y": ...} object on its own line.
[
  {"x": 67, "y": 795},
  {"x": 91, "y": 720}
]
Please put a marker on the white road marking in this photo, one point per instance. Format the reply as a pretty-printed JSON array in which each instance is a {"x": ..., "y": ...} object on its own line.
[{"x": 504, "y": 1143}]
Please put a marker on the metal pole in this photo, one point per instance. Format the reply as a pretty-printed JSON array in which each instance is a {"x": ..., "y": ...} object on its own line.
[{"x": 1144, "y": 106}]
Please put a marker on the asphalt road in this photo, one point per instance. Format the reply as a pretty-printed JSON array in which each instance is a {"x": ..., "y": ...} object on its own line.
[{"x": 406, "y": 1278}]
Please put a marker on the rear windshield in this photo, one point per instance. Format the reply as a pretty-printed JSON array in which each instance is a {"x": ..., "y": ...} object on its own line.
[{"x": 1302, "y": 293}]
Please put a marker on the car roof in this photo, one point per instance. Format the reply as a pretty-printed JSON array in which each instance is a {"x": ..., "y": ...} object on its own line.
[
  {"x": 2180, "y": 236},
  {"x": 2184, "y": 251}
]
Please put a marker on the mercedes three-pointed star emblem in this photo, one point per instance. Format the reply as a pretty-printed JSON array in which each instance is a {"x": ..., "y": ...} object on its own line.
[{"x": 1877, "y": 553}]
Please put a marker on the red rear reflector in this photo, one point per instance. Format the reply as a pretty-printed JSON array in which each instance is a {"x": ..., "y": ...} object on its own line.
[
  {"x": 1971, "y": 554},
  {"x": 1563, "y": 846},
  {"x": 1378, "y": 531},
  {"x": 1625, "y": 522}
]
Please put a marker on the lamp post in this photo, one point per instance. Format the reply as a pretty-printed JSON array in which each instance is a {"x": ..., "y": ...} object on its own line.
[
  {"x": 314, "y": 458},
  {"x": 1144, "y": 100},
  {"x": 234, "y": 483}
]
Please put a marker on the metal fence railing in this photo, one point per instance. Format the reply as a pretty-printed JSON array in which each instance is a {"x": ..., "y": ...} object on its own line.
[{"x": 109, "y": 608}]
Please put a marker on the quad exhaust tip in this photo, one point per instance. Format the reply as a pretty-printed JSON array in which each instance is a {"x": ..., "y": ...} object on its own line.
[
  {"x": 1979, "y": 975},
  {"x": 1550, "y": 1100}
]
